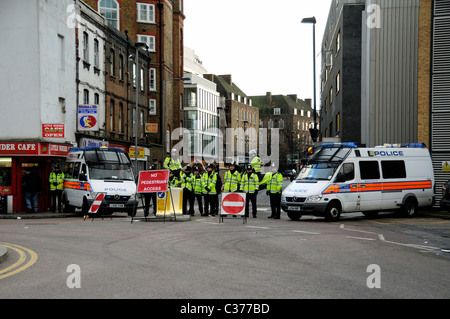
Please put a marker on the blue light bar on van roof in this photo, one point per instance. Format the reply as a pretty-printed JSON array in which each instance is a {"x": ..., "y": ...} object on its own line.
[
  {"x": 78, "y": 149},
  {"x": 347, "y": 144}
]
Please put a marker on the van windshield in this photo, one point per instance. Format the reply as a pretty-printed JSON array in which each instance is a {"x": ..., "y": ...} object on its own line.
[
  {"x": 318, "y": 171},
  {"x": 109, "y": 165}
]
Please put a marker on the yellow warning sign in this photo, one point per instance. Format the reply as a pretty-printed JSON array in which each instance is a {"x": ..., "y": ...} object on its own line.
[{"x": 445, "y": 167}]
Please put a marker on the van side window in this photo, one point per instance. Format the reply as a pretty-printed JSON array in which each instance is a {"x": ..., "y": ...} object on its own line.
[
  {"x": 393, "y": 169},
  {"x": 76, "y": 170},
  {"x": 369, "y": 170},
  {"x": 347, "y": 172},
  {"x": 68, "y": 169}
]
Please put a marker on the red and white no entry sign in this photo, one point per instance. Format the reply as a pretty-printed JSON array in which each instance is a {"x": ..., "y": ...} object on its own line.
[
  {"x": 97, "y": 203},
  {"x": 233, "y": 203}
]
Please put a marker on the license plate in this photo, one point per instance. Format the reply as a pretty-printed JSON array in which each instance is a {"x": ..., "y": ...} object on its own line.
[
  {"x": 296, "y": 208},
  {"x": 116, "y": 205}
]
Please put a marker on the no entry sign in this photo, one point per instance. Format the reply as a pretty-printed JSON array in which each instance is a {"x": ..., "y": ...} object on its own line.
[
  {"x": 153, "y": 181},
  {"x": 233, "y": 203}
]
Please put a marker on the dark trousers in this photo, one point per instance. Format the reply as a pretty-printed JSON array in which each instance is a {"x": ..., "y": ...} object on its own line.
[
  {"x": 211, "y": 204},
  {"x": 275, "y": 204},
  {"x": 250, "y": 198},
  {"x": 56, "y": 195},
  {"x": 199, "y": 198},
  {"x": 188, "y": 197},
  {"x": 147, "y": 198}
]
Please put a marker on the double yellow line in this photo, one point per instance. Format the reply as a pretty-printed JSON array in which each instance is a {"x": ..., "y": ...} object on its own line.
[{"x": 27, "y": 258}]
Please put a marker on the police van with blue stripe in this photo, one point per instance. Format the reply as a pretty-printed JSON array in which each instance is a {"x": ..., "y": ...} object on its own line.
[
  {"x": 92, "y": 170},
  {"x": 342, "y": 177}
]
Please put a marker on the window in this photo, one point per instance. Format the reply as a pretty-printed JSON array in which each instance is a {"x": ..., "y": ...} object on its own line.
[
  {"x": 152, "y": 107},
  {"x": 149, "y": 40},
  {"x": 96, "y": 56},
  {"x": 331, "y": 95},
  {"x": 110, "y": 10},
  {"x": 120, "y": 117},
  {"x": 86, "y": 97},
  {"x": 338, "y": 82},
  {"x": 338, "y": 42},
  {"x": 346, "y": 173},
  {"x": 276, "y": 111},
  {"x": 134, "y": 74},
  {"x": 111, "y": 116},
  {"x": 96, "y": 99},
  {"x": 61, "y": 52},
  {"x": 85, "y": 47},
  {"x": 121, "y": 67},
  {"x": 146, "y": 13},
  {"x": 152, "y": 81},
  {"x": 142, "y": 123},
  {"x": 393, "y": 169},
  {"x": 369, "y": 170},
  {"x": 338, "y": 122},
  {"x": 141, "y": 80},
  {"x": 112, "y": 62}
]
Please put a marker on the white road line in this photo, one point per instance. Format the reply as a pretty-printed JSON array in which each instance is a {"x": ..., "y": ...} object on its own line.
[
  {"x": 362, "y": 238},
  {"x": 305, "y": 232},
  {"x": 259, "y": 227}
]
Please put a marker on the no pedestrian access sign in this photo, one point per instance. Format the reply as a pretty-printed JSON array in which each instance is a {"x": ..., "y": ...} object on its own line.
[
  {"x": 153, "y": 181},
  {"x": 233, "y": 204}
]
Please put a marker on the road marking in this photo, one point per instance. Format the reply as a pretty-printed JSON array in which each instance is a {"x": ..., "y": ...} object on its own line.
[
  {"x": 305, "y": 232},
  {"x": 362, "y": 238},
  {"x": 259, "y": 227},
  {"x": 22, "y": 263}
]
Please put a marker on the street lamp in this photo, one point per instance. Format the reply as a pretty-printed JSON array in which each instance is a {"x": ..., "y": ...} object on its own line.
[
  {"x": 314, "y": 132},
  {"x": 138, "y": 45},
  {"x": 164, "y": 107}
]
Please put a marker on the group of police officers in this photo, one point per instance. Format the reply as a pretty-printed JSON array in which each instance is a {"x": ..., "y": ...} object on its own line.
[{"x": 208, "y": 185}]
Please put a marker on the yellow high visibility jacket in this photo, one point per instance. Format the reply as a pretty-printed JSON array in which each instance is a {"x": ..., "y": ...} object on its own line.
[
  {"x": 256, "y": 164},
  {"x": 274, "y": 182},
  {"x": 249, "y": 184},
  {"x": 186, "y": 181},
  {"x": 56, "y": 181},
  {"x": 232, "y": 181},
  {"x": 197, "y": 184},
  {"x": 171, "y": 164},
  {"x": 210, "y": 181}
]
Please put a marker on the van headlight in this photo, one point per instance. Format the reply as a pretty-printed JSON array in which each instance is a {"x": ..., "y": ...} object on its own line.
[
  {"x": 314, "y": 198},
  {"x": 283, "y": 198}
]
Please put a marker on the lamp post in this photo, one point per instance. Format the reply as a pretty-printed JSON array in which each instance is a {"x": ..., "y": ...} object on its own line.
[
  {"x": 135, "y": 119},
  {"x": 314, "y": 132},
  {"x": 164, "y": 107}
]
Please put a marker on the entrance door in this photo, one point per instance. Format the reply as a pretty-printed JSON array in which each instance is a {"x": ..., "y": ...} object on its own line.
[{"x": 26, "y": 168}]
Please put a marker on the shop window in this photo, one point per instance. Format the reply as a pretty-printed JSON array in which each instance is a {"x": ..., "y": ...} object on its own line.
[{"x": 5, "y": 171}]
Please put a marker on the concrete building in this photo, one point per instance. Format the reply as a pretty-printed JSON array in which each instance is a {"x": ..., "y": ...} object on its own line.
[
  {"x": 201, "y": 110},
  {"x": 192, "y": 62},
  {"x": 38, "y": 98}
]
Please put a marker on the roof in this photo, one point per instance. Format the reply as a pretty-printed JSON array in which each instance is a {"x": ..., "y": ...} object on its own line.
[{"x": 286, "y": 103}]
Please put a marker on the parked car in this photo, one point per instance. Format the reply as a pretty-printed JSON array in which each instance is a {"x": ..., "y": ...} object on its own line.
[{"x": 445, "y": 201}]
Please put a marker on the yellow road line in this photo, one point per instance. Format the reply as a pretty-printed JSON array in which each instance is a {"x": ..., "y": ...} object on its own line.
[{"x": 12, "y": 270}]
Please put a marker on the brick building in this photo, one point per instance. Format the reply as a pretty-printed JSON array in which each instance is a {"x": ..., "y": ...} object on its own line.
[{"x": 159, "y": 24}]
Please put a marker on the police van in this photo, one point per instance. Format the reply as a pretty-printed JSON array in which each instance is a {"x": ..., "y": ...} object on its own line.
[
  {"x": 92, "y": 170},
  {"x": 343, "y": 177}
]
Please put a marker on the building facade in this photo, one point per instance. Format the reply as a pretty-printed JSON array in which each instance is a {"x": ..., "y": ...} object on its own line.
[
  {"x": 293, "y": 117},
  {"x": 38, "y": 98}
]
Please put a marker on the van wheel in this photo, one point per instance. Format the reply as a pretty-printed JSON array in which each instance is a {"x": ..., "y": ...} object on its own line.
[
  {"x": 333, "y": 212},
  {"x": 66, "y": 208},
  {"x": 410, "y": 208},
  {"x": 294, "y": 216},
  {"x": 85, "y": 207}
]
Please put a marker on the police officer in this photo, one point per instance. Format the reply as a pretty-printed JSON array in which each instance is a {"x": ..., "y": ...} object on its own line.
[
  {"x": 56, "y": 180},
  {"x": 209, "y": 190},
  {"x": 274, "y": 181},
  {"x": 148, "y": 197},
  {"x": 250, "y": 186},
  {"x": 232, "y": 179},
  {"x": 197, "y": 186},
  {"x": 188, "y": 191},
  {"x": 172, "y": 162},
  {"x": 173, "y": 179},
  {"x": 255, "y": 163}
]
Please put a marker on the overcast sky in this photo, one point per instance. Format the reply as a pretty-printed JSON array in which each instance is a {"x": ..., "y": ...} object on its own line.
[{"x": 261, "y": 43}]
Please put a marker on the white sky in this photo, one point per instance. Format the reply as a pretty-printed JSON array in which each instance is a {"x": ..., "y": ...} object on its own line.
[{"x": 261, "y": 43}]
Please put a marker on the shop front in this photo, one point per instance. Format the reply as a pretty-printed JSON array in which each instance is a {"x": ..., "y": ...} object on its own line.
[{"x": 17, "y": 159}]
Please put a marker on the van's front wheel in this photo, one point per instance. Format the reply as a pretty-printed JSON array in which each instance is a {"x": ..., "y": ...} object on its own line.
[
  {"x": 294, "y": 216},
  {"x": 333, "y": 212}
]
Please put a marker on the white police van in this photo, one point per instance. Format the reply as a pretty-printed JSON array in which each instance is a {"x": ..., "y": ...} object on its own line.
[
  {"x": 340, "y": 178},
  {"x": 93, "y": 170}
]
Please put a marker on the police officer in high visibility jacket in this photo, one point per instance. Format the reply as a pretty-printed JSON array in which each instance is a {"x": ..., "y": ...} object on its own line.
[
  {"x": 197, "y": 186},
  {"x": 173, "y": 179},
  {"x": 172, "y": 162},
  {"x": 188, "y": 191},
  {"x": 209, "y": 190},
  {"x": 56, "y": 180},
  {"x": 274, "y": 181},
  {"x": 255, "y": 163},
  {"x": 250, "y": 186},
  {"x": 232, "y": 179}
]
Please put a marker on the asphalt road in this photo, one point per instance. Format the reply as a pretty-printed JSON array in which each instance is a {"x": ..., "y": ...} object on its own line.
[{"x": 205, "y": 259}]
